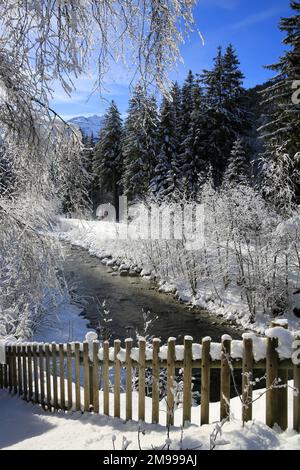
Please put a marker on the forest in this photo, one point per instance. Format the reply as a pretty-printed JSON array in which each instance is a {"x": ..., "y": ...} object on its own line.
[{"x": 236, "y": 151}]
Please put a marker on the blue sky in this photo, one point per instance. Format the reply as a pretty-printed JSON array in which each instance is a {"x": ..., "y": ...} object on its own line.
[{"x": 250, "y": 25}]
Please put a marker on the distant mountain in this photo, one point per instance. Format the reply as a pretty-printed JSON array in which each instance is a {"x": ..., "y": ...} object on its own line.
[{"x": 89, "y": 125}]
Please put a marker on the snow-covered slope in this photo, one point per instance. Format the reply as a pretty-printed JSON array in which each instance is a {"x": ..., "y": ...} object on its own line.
[{"x": 90, "y": 125}]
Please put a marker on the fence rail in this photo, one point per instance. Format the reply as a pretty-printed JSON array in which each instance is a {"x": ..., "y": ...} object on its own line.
[{"x": 52, "y": 374}]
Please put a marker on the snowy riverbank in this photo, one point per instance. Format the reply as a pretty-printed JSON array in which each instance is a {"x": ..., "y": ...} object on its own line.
[{"x": 123, "y": 256}]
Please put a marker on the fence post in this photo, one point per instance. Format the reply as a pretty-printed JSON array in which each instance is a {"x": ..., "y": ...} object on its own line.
[
  {"x": 225, "y": 377},
  {"x": 296, "y": 372},
  {"x": 29, "y": 357},
  {"x": 19, "y": 360},
  {"x": 170, "y": 380},
  {"x": 283, "y": 390},
  {"x": 272, "y": 375},
  {"x": 205, "y": 380},
  {"x": 24, "y": 370},
  {"x": 96, "y": 376},
  {"x": 247, "y": 379},
  {"x": 35, "y": 373},
  {"x": 117, "y": 379},
  {"x": 128, "y": 347},
  {"x": 14, "y": 368},
  {"x": 77, "y": 376},
  {"x": 187, "y": 379},
  {"x": 106, "y": 378},
  {"x": 48, "y": 375},
  {"x": 54, "y": 377},
  {"x": 155, "y": 380},
  {"x": 9, "y": 362},
  {"x": 86, "y": 368},
  {"x": 91, "y": 378},
  {"x": 62, "y": 376},
  {"x": 142, "y": 370},
  {"x": 5, "y": 378},
  {"x": 70, "y": 376},
  {"x": 42, "y": 375}
]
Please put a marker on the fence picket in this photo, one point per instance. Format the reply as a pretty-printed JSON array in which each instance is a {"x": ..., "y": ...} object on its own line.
[
  {"x": 117, "y": 379},
  {"x": 35, "y": 373},
  {"x": 86, "y": 369},
  {"x": 296, "y": 394},
  {"x": 77, "y": 377},
  {"x": 247, "y": 379},
  {"x": 29, "y": 357},
  {"x": 96, "y": 376},
  {"x": 170, "y": 380},
  {"x": 105, "y": 371},
  {"x": 283, "y": 390},
  {"x": 24, "y": 370},
  {"x": 70, "y": 376},
  {"x": 155, "y": 380},
  {"x": 225, "y": 379},
  {"x": 9, "y": 362},
  {"x": 62, "y": 376},
  {"x": 54, "y": 376},
  {"x": 205, "y": 381},
  {"x": 48, "y": 376},
  {"x": 142, "y": 378},
  {"x": 128, "y": 347},
  {"x": 272, "y": 376},
  {"x": 41, "y": 374},
  {"x": 14, "y": 368},
  {"x": 20, "y": 378},
  {"x": 187, "y": 379},
  {"x": 5, "y": 375}
]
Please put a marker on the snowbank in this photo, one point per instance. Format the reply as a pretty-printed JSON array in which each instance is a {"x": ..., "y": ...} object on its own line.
[{"x": 27, "y": 426}]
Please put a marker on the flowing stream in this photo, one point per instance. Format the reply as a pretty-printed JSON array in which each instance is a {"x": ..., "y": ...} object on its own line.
[{"x": 126, "y": 298}]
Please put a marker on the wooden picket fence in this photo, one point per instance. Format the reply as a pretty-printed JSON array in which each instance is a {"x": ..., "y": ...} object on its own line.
[{"x": 50, "y": 374}]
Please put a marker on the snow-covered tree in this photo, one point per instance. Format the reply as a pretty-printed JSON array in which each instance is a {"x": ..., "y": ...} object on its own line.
[
  {"x": 140, "y": 144},
  {"x": 108, "y": 156},
  {"x": 195, "y": 165},
  {"x": 190, "y": 125},
  {"x": 43, "y": 43},
  {"x": 226, "y": 111},
  {"x": 78, "y": 185},
  {"x": 6, "y": 172},
  {"x": 167, "y": 178},
  {"x": 280, "y": 174},
  {"x": 237, "y": 170},
  {"x": 281, "y": 132}
]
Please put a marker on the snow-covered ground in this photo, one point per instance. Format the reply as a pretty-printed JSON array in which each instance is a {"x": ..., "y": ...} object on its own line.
[
  {"x": 111, "y": 243},
  {"x": 27, "y": 426},
  {"x": 63, "y": 322}
]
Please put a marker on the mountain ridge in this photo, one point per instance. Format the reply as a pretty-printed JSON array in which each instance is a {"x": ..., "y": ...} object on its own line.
[{"x": 89, "y": 125}]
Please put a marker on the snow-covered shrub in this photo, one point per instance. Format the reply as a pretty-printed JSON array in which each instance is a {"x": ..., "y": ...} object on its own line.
[{"x": 248, "y": 263}]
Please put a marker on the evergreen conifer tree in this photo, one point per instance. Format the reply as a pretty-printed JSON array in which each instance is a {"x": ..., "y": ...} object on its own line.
[
  {"x": 281, "y": 133},
  {"x": 166, "y": 180},
  {"x": 140, "y": 144},
  {"x": 226, "y": 110},
  {"x": 237, "y": 169},
  {"x": 108, "y": 157}
]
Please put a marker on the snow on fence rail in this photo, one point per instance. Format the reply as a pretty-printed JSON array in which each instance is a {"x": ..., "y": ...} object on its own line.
[{"x": 50, "y": 374}]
